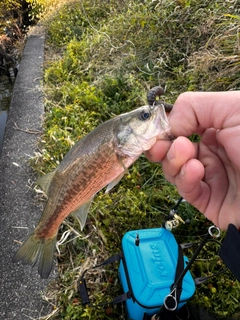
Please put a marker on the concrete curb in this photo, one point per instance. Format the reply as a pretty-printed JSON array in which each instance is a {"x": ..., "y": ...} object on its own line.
[{"x": 21, "y": 286}]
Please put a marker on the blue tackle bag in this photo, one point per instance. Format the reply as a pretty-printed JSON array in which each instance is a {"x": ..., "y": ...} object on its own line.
[
  {"x": 151, "y": 271},
  {"x": 148, "y": 270}
]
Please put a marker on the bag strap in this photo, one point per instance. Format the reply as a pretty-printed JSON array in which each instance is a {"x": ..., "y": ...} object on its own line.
[{"x": 82, "y": 287}]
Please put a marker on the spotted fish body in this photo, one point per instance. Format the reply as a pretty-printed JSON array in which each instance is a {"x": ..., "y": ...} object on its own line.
[{"x": 99, "y": 159}]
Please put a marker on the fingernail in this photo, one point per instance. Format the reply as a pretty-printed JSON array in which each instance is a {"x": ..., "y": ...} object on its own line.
[{"x": 171, "y": 152}]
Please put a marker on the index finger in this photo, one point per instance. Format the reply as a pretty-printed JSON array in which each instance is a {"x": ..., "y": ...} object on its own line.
[{"x": 158, "y": 151}]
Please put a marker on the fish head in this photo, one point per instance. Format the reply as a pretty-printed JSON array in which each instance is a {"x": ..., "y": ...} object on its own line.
[{"x": 138, "y": 130}]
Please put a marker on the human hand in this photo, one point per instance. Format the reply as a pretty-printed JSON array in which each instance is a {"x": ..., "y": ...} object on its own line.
[{"x": 206, "y": 174}]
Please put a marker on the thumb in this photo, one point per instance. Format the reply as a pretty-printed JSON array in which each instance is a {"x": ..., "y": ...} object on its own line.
[{"x": 193, "y": 112}]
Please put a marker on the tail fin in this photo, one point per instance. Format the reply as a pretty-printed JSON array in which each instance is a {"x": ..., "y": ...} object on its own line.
[{"x": 35, "y": 249}]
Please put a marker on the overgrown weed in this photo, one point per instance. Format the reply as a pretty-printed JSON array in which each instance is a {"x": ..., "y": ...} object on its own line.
[{"x": 108, "y": 56}]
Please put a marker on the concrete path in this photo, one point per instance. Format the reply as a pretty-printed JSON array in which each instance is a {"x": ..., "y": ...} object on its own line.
[{"x": 21, "y": 286}]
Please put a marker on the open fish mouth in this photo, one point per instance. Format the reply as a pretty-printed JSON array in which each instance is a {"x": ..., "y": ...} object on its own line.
[{"x": 161, "y": 122}]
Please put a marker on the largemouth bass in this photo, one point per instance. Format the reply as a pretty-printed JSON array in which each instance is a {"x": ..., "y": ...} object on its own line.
[{"x": 99, "y": 159}]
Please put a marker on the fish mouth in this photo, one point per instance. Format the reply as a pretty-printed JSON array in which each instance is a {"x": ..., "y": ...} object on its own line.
[
  {"x": 162, "y": 123},
  {"x": 169, "y": 136}
]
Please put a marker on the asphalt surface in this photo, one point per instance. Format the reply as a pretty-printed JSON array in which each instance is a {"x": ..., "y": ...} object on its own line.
[{"x": 21, "y": 287}]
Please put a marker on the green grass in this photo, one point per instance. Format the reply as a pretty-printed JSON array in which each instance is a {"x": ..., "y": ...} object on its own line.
[{"x": 101, "y": 61}]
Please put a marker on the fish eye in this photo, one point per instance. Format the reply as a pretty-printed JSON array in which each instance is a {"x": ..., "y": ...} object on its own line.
[{"x": 144, "y": 115}]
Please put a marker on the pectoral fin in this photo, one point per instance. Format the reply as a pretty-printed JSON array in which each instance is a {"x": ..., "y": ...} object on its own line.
[
  {"x": 114, "y": 182},
  {"x": 120, "y": 160},
  {"x": 45, "y": 181},
  {"x": 81, "y": 213}
]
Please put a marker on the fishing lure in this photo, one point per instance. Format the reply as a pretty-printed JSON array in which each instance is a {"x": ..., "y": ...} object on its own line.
[{"x": 153, "y": 93}]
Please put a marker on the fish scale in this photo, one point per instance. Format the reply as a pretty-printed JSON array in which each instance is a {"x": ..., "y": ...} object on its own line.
[{"x": 85, "y": 189}]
